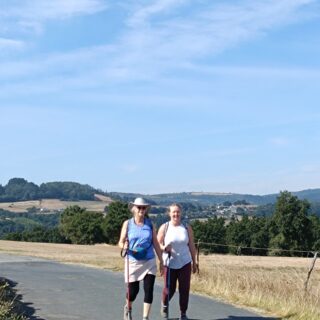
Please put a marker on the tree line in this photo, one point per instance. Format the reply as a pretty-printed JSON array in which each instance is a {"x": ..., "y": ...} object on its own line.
[
  {"x": 78, "y": 226},
  {"x": 288, "y": 231},
  {"x": 26, "y": 221},
  {"x": 19, "y": 189}
]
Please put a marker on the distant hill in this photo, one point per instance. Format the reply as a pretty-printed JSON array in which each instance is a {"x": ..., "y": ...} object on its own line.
[
  {"x": 19, "y": 189},
  {"x": 207, "y": 198}
]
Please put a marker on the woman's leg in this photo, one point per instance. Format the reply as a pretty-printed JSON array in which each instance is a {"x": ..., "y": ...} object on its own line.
[
  {"x": 133, "y": 290},
  {"x": 184, "y": 277},
  {"x": 172, "y": 285},
  {"x": 148, "y": 285}
]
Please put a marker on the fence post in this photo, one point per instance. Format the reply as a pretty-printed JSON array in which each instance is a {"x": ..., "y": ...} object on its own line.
[
  {"x": 198, "y": 251},
  {"x": 310, "y": 270}
]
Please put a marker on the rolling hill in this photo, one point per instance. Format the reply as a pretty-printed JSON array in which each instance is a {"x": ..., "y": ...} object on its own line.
[{"x": 19, "y": 189}]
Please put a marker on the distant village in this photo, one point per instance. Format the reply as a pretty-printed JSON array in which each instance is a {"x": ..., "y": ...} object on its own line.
[{"x": 228, "y": 210}]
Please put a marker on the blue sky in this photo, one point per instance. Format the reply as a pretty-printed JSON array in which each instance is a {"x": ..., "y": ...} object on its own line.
[{"x": 161, "y": 96}]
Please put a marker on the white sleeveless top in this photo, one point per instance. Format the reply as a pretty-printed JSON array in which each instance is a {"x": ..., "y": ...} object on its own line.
[{"x": 178, "y": 237}]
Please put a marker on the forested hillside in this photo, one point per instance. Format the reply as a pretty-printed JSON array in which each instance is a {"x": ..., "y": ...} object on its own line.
[
  {"x": 208, "y": 198},
  {"x": 19, "y": 189}
]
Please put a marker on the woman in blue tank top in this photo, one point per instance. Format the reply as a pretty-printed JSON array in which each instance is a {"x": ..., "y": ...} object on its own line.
[{"x": 138, "y": 237}]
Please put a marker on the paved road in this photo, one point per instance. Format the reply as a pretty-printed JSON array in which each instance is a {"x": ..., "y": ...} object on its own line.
[{"x": 54, "y": 291}]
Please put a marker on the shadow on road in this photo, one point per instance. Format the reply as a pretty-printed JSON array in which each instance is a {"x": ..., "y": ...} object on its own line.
[
  {"x": 247, "y": 318},
  {"x": 233, "y": 318},
  {"x": 23, "y": 308}
]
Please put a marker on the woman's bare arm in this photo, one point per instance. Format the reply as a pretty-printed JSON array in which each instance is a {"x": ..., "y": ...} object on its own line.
[
  {"x": 192, "y": 249},
  {"x": 123, "y": 241}
]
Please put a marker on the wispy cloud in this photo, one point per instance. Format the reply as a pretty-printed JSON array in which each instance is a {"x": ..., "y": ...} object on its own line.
[
  {"x": 255, "y": 71},
  {"x": 151, "y": 48},
  {"x": 129, "y": 168},
  {"x": 11, "y": 44},
  {"x": 142, "y": 14},
  {"x": 310, "y": 168},
  {"x": 280, "y": 141},
  {"x": 29, "y": 16},
  {"x": 35, "y": 10},
  {"x": 180, "y": 37}
]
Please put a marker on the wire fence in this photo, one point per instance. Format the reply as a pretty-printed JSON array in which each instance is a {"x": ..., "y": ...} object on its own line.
[
  {"x": 239, "y": 249},
  {"x": 200, "y": 245}
]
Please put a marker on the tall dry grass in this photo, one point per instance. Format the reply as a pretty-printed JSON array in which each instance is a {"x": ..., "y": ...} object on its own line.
[{"x": 274, "y": 285}]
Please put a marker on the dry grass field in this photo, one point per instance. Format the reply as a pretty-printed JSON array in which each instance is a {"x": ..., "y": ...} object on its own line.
[
  {"x": 55, "y": 204},
  {"x": 99, "y": 255},
  {"x": 273, "y": 285}
]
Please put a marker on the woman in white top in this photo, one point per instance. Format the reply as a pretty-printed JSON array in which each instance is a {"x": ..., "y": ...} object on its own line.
[{"x": 179, "y": 256}]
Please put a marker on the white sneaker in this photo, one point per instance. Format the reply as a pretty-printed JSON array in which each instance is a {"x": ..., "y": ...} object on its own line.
[
  {"x": 126, "y": 313},
  {"x": 164, "y": 311}
]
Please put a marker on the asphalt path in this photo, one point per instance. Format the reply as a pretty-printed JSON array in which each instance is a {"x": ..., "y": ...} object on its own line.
[{"x": 54, "y": 291}]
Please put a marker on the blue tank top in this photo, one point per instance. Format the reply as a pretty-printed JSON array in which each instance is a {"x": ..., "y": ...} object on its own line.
[{"x": 140, "y": 237}]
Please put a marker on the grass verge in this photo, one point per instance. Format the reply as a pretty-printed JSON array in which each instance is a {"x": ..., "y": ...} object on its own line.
[
  {"x": 275, "y": 287},
  {"x": 10, "y": 306}
]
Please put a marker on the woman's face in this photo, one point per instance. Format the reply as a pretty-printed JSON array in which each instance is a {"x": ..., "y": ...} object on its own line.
[
  {"x": 140, "y": 210},
  {"x": 175, "y": 214}
]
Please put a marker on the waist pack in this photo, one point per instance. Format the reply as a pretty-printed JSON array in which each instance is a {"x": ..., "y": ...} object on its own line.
[{"x": 139, "y": 253}]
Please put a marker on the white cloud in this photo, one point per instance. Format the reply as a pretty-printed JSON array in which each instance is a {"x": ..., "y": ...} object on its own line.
[
  {"x": 141, "y": 15},
  {"x": 129, "y": 168},
  {"x": 280, "y": 141},
  {"x": 256, "y": 71},
  {"x": 6, "y": 44},
  {"x": 310, "y": 168},
  {"x": 35, "y": 10},
  {"x": 29, "y": 16}
]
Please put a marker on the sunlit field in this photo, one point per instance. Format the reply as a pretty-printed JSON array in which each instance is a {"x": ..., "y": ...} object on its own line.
[{"x": 48, "y": 205}]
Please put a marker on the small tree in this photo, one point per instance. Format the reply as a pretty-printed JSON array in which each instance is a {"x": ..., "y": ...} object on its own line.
[
  {"x": 315, "y": 222},
  {"x": 259, "y": 234},
  {"x": 239, "y": 234},
  {"x": 117, "y": 213},
  {"x": 81, "y": 226},
  {"x": 290, "y": 227},
  {"x": 210, "y": 231}
]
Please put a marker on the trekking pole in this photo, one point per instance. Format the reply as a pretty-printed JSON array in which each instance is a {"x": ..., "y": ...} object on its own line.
[
  {"x": 128, "y": 291},
  {"x": 168, "y": 280},
  {"x": 124, "y": 254}
]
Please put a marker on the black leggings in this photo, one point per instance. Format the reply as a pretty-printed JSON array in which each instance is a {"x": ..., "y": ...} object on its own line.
[{"x": 148, "y": 284}]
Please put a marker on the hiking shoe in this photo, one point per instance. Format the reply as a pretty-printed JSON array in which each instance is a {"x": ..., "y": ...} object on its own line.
[
  {"x": 183, "y": 317},
  {"x": 145, "y": 318},
  {"x": 126, "y": 313},
  {"x": 164, "y": 311}
]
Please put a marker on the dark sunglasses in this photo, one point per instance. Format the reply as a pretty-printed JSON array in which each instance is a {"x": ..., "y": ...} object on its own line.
[{"x": 141, "y": 207}]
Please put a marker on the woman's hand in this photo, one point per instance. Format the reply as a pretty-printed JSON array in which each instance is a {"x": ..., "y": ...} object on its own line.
[
  {"x": 161, "y": 267},
  {"x": 168, "y": 248},
  {"x": 125, "y": 245},
  {"x": 195, "y": 267}
]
